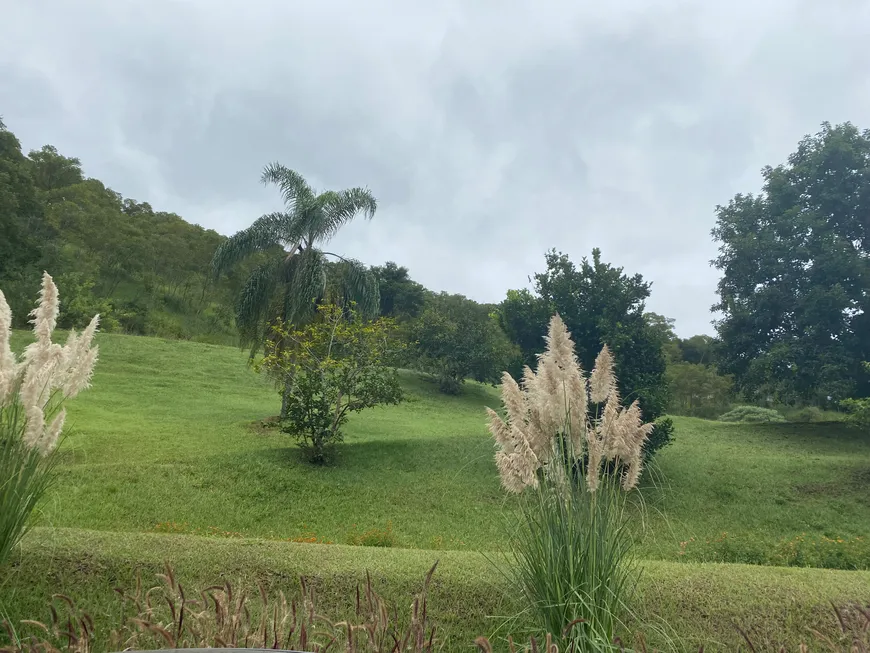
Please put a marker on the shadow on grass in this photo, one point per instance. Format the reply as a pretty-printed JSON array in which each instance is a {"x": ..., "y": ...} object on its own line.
[{"x": 459, "y": 455}]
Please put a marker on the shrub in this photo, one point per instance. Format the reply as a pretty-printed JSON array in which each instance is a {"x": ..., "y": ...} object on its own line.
[
  {"x": 562, "y": 437},
  {"x": 456, "y": 338},
  {"x": 752, "y": 415},
  {"x": 661, "y": 435},
  {"x": 32, "y": 393},
  {"x": 859, "y": 412},
  {"x": 374, "y": 537},
  {"x": 334, "y": 366}
]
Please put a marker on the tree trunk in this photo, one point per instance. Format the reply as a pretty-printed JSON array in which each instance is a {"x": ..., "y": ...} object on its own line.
[{"x": 285, "y": 396}]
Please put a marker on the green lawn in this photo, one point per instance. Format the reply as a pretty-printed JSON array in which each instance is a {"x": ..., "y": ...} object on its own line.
[
  {"x": 165, "y": 436},
  {"x": 165, "y": 440}
]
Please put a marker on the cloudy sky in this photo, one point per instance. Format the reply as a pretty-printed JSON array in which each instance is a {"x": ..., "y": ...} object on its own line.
[{"x": 489, "y": 130}]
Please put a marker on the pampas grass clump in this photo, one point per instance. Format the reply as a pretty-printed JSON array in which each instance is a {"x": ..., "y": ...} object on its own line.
[
  {"x": 32, "y": 415},
  {"x": 562, "y": 438}
]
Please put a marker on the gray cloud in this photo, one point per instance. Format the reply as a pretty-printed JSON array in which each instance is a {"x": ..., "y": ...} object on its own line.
[{"x": 489, "y": 131}]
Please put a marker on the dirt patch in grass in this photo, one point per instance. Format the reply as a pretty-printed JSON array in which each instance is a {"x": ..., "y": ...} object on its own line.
[
  {"x": 265, "y": 426},
  {"x": 858, "y": 480}
]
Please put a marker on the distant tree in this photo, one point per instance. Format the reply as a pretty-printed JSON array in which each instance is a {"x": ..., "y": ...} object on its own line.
[
  {"x": 600, "y": 304},
  {"x": 697, "y": 390},
  {"x": 524, "y": 317},
  {"x": 52, "y": 170},
  {"x": 795, "y": 290},
  {"x": 144, "y": 271},
  {"x": 663, "y": 328},
  {"x": 456, "y": 338},
  {"x": 291, "y": 283},
  {"x": 698, "y": 349},
  {"x": 401, "y": 296}
]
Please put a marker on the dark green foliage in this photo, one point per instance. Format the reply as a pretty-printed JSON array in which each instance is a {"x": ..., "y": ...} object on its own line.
[
  {"x": 401, "y": 296},
  {"x": 752, "y": 415},
  {"x": 524, "y": 318},
  {"x": 456, "y": 338},
  {"x": 660, "y": 437},
  {"x": 599, "y": 304},
  {"x": 796, "y": 274},
  {"x": 699, "y": 350},
  {"x": 859, "y": 412},
  {"x": 145, "y": 272}
]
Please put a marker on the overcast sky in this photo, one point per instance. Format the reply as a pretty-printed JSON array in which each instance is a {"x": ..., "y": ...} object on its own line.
[{"x": 489, "y": 130}]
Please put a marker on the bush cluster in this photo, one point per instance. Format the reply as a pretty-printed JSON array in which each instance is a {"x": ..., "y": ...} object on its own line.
[{"x": 752, "y": 415}]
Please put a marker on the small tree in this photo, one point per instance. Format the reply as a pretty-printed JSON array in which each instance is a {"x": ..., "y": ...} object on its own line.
[
  {"x": 456, "y": 338},
  {"x": 339, "y": 365}
]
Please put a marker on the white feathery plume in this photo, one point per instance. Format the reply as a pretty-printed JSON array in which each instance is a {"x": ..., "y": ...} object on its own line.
[
  {"x": 553, "y": 403},
  {"x": 8, "y": 367},
  {"x": 52, "y": 434},
  {"x": 48, "y": 373},
  {"x": 34, "y": 429},
  {"x": 602, "y": 381}
]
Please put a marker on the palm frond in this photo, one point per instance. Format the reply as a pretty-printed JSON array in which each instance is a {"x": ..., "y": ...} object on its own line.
[
  {"x": 294, "y": 189},
  {"x": 340, "y": 207},
  {"x": 265, "y": 232},
  {"x": 304, "y": 279},
  {"x": 357, "y": 284},
  {"x": 254, "y": 303}
]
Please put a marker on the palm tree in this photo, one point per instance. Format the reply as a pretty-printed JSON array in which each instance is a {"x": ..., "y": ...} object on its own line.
[{"x": 292, "y": 283}]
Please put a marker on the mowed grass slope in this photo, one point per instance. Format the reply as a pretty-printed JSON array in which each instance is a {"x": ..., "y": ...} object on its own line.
[
  {"x": 164, "y": 439},
  {"x": 164, "y": 436}
]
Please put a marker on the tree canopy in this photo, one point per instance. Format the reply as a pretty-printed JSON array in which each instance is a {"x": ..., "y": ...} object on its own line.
[
  {"x": 796, "y": 274},
  {"x": 600, "y": 304},
  {"x": 294, "y": 277}
]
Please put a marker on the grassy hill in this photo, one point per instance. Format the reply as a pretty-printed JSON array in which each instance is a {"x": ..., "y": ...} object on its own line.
[{"x": 167, "y": 440}]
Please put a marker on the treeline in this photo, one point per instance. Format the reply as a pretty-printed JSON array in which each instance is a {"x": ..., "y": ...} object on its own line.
[{"x": 145, "y": 271}]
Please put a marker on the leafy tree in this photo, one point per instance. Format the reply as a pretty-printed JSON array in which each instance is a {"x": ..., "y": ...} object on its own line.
[
  {"x": 796, "y": 274},
  {"x": 663, "y": 328},
  {"x": 697, "y": 390},
  {"x": 456, "y": 338},
  {"x": 339, "y": 366},
  {"x": 52, "y": 170},
  {"x": 401, "y": 296},
  {"x": 698, "y": 349},
  {"x": 524, "y": 318},
  {"x": 599, "y": 304},
  {"x": 293, "y": 280}
]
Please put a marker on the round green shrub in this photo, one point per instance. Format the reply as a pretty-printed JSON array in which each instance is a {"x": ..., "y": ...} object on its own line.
[{"x": 752, "y": 415}]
